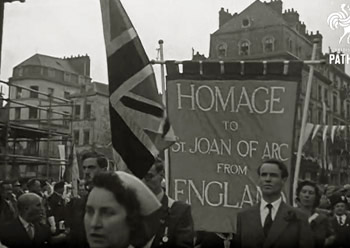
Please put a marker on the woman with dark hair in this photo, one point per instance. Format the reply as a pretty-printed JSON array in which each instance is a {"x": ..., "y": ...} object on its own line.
[
  {"x": 308, "y": 199},
  {"x": 120, "y": 211}
]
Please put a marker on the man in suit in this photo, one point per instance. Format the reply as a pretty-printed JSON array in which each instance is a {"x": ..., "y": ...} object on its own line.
[
  {"x": 272, "y": 223},
  {"x": 8, "y": 205},
  {"x": 26, "y": 230},
  {"x": 176, "y": 228},
  {"x": 340, "y": 221}
]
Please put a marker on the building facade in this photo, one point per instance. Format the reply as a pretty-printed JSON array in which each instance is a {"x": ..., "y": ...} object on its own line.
[
  {"x": 263, "y": 31},
  {"x": 59, "y": 99},
  {"x": 91, "y": 126}
]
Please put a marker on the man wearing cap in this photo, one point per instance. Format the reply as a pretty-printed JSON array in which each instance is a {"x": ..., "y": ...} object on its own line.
[
  {"x": 272, "y": 223},
  {"x": 340, "y": 221},
  {"x": 176, "y": 228}
]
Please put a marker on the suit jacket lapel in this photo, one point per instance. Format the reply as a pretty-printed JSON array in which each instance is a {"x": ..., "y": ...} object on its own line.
[
  {"x": 22, "y": 232},
  {"x": 278, "y": 225},
  {"x": 255, "y": 221}
]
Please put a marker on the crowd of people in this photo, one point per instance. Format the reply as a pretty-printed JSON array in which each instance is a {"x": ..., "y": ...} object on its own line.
[{"x": 118, "y": 210}]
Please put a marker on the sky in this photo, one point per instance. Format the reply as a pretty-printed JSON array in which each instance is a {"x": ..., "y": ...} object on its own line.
[{"x": 62, "y": 28}]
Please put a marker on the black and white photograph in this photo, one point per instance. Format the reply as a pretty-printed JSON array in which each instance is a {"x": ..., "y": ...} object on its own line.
[{"x": 163, "y": 123}]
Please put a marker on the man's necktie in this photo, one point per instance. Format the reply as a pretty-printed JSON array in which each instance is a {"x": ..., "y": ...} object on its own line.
[
  {"x": 268, "y": 220},
  {"x": 30, "y": 231},
  {"x": 340, "y": 220}
]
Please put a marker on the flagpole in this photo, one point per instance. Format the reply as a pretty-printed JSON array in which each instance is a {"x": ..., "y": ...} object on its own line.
[
  {"x": 303, "y": 122},
  {"x": 162, "y": 76}
]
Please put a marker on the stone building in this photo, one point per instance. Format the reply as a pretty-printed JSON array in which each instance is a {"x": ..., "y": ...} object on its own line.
[
  {"x": 264, "y": 31},
  {"x": 61, "y": 100},
  {"x": 91, "y": 127}
]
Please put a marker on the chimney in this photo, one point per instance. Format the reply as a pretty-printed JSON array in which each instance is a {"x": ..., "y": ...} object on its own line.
[
  {"x": 224, "y": 16},
  {"x": 302, "y": 29},
  {"x": 81, "y": 64},
  {"x": 291, "y": 17},
  {"x": 276, "y": 5},
  {"x": 317, "y": 36}
]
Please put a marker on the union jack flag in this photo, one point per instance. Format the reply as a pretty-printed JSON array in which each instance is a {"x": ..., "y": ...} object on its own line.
[{"x": 140, "y": 130}]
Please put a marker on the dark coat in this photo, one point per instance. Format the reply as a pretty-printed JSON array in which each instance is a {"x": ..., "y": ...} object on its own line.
[
  {"x": 57, "y": 207},
  {"x": 289, "y": 229},
  {"x": 75, "y": 222},
  {"x": 342, "y": 233},
  {"x": 321, "y": 228},
  {"x": 211, "y": 239},
  {"x": 176, "y": 229},
  {"x": 6, "y": 213},
  {"x": 14, "y": 235}
]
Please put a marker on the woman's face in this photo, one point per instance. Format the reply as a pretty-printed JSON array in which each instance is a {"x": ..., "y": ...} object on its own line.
[
  {"x": 307, "y": 196},
  {"x": 105, "y": 220}
]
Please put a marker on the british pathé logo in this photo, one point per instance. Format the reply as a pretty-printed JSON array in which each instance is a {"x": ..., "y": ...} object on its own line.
[{"x": 341, "y": 19}]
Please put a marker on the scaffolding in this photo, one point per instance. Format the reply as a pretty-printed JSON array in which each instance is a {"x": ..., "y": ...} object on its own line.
[{"x": 29, "y": 146}]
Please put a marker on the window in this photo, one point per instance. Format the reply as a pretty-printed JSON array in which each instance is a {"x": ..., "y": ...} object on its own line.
[
  {"x": 66, "y": 77},
  {"x": 33, "y": 113},
  {"x": 290, "y": 44},
  {"x": 51, "y": 73},
  {"x": 245, "y": 23},
  {"x": 66, "y": 95},
  {"x": 86, "y": 137},
  {"x": 19, "y": 72},
  {"x": 77, "y": 112},
  {"x": 319, "y": 116},
  {"x": 76, "y": 137},
  {"x": 50, "y": 91},
  {"x": 331, "y": 76},
  {"x": 319, "y": 92},
  {"x": 87, "y": 111},
  {"x": 19, "y": 93},
  {"x": 244, "y": 48},
  {"x": 335, "y": 102},
  {"x": 34, "y": 94},
  {"x": 269, "y": 44},
  {"x": 309, "y": 113},
  {"x": 325, "y": 96},
  {"x": 338, "y": 82},
  {"x": 17, "y": 113},
  {"x": 222, "y": 49},
  {"x": 299, "y": 113},
  {"x": 65, "y": 118}
]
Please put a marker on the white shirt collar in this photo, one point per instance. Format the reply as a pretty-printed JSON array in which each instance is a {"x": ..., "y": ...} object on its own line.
[
  {"x": 160, "y": 196},
  {"x": 275, "y": 204},
  {"x": 343, "y": 217},
  {"x": 264, "y": 211}
]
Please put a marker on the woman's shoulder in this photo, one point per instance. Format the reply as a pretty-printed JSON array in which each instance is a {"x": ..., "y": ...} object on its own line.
[{"x": 323, "y": 213}]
